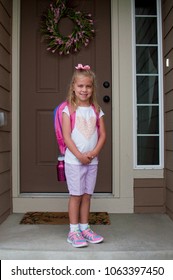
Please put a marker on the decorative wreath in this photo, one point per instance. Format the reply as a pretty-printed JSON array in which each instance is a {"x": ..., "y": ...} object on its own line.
[{"x": 82, "y": 33}]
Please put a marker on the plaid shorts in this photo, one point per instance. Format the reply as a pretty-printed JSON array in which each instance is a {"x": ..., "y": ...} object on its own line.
[{"x": 81, "y": 179}]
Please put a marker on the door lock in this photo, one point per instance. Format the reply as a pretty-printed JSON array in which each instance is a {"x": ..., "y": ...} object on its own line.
[{"x": 106, "y": 99}]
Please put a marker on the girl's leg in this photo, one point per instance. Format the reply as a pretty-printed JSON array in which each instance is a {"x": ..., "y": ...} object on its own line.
[
  {"x": 86, "y": 231},
  {"x": 74, "y": 208},
  {"x": 90, "y": 181},
  {"x": 85, "y": 208},
  {"x": 75, "y": 237}
]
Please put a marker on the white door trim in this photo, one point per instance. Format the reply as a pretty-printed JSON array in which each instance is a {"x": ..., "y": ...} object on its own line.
[{"x": 121, "y": 200}]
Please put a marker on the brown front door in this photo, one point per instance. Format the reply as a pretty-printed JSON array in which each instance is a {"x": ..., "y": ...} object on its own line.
[{"x": 44, "y": 82}]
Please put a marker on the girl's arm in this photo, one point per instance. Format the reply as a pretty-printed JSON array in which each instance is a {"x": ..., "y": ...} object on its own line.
[
  {"x": 101, "y": 140},
  {"x": 66, "y": 129}
]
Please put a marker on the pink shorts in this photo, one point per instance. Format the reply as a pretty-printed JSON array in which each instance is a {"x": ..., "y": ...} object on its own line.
[{"x": 81, "y": 179}]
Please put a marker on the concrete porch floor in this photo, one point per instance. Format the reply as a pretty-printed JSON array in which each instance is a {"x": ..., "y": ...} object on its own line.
[{"x": 130, "y": 236}]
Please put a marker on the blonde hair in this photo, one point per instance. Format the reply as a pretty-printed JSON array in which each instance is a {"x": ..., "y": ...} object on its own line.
[{"x": 71, "y": 97}]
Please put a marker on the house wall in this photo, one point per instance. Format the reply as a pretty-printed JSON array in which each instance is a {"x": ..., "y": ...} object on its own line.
[
  {"x": 5, "y": 106},
  {"x": 149, "y": 195},
  {"x": 168, "y": 94}
]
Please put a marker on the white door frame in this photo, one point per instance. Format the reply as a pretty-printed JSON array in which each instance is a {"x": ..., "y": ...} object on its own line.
[{"x": 121, "y": 199}]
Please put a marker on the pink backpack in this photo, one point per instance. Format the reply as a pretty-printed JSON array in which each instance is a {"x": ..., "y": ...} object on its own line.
[{"x": 58, "y": 124}]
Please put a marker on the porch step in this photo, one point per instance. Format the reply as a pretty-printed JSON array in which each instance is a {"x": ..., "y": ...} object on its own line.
[
  {"x": 130, "y": 236},
  {"x": 92, "y": 255}
]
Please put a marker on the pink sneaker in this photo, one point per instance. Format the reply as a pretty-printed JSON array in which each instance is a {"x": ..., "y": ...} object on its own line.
[
  {"x": 76, "y": 239},
  {"x": 91, "y": 236}
]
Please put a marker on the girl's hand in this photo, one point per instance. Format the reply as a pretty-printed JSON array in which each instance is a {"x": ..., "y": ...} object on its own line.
[
  {"x": 90, "y": 155},
  {"x": 84, "y": 158}
]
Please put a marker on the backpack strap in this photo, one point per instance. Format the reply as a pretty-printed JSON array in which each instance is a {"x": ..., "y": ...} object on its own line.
[{"x": 72, "y": 116}]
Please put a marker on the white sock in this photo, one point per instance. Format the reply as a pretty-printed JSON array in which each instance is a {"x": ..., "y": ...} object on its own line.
[
  {"x": 74, "y": 227},
  {"x": 83, "y": 226}
]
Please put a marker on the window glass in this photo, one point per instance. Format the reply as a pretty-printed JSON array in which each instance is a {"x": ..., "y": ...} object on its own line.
[
  {"x": 145, "y": 7},
  {"x": 148, "y": 121},
  {"x": 146, "y": 30},
  {"x": 147, "y": 90},
  {"x": 148, "y": 150},
  {"x": 146, "y": 60}
]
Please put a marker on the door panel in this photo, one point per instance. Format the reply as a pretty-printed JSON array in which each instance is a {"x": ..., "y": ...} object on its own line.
[{"x": 44, "y": 83}]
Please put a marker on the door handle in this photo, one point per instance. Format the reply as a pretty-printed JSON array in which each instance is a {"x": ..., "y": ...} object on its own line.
[{"x": 106, "y": 99}]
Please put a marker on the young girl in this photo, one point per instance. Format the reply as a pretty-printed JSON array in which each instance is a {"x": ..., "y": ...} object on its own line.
[{"x": 83, "y": 146}]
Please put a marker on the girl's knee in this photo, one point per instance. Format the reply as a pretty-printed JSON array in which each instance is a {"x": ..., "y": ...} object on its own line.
[
  {"x": 86, "y": 196},
  {"x": 76, "y": 198}
]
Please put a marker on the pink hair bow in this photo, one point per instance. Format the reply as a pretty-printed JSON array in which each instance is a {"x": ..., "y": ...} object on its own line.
[{"x": 82, "y": 67}]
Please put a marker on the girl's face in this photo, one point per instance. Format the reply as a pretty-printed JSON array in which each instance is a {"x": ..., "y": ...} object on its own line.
[{"x": 83, "y": 88}]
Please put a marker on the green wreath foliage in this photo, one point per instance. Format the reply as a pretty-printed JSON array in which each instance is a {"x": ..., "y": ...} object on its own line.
[{"x": 81, "y": 35}]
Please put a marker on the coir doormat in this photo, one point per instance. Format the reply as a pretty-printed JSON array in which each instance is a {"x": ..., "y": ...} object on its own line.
[{"x": 61, "y": 218}]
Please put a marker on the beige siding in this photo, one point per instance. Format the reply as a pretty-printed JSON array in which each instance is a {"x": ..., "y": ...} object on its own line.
[
  {"x": 5, "y": 106},
  {"x": 149, "y": 196},
  {"x": 168, "y": 94}
]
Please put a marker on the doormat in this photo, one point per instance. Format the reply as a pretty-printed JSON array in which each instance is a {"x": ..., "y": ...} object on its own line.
[{"x": 61, "y": 218}]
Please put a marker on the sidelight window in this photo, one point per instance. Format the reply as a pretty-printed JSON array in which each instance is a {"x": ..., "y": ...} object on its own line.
[{"x": 148, "y": 84}]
